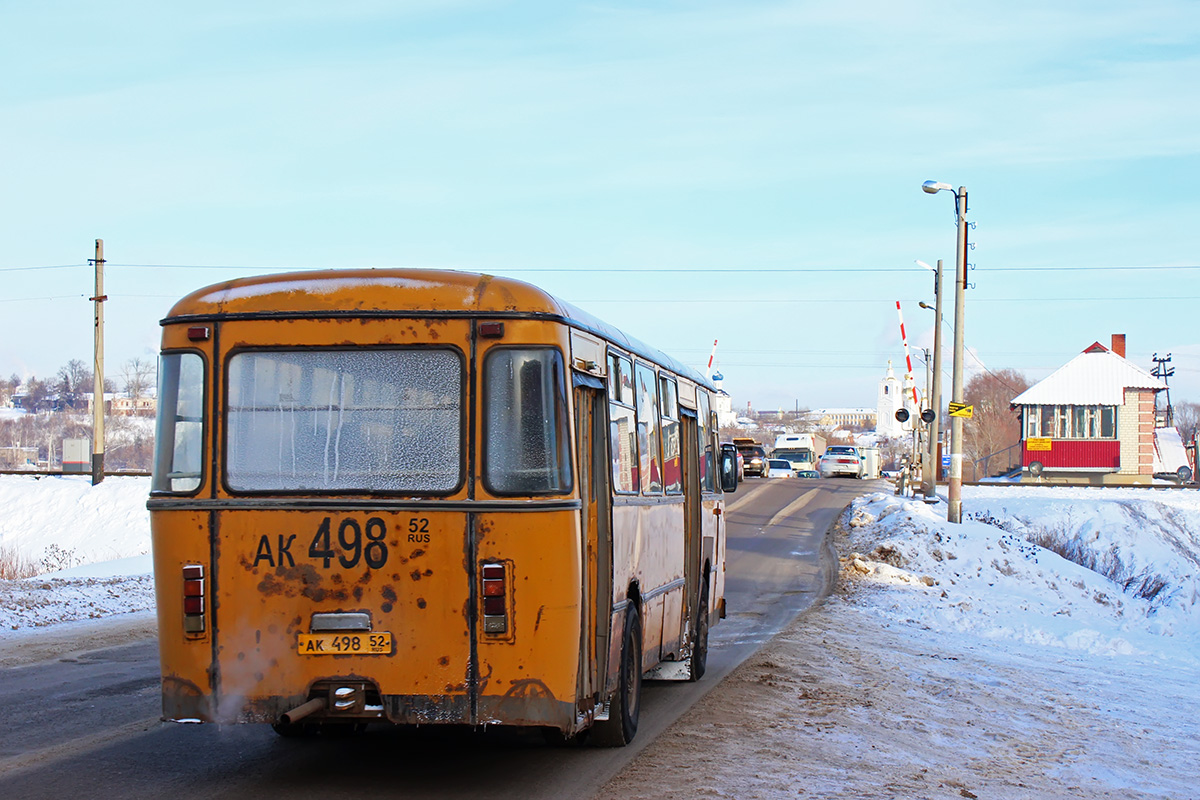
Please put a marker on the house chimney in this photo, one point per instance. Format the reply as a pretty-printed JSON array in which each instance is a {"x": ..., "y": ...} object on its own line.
[{"x": 1118, "y": 344}]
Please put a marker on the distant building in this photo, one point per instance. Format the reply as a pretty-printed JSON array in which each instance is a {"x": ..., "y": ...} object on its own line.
[
  {"x": 842, "y": 417},
  {"x": 18, "y": 457},
  {"x": 121, "y": 405},
  {"x": 723, "y": 403},
  {"x": 1090, "y": 421},
  {"x": 893, "y": 395}
]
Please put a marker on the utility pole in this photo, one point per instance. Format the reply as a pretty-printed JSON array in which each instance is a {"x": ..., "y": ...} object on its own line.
[
  {"x": 954, "y": 492},
  {"x": 98, "y": 371},
  {"x": 935, "y": 395},
  {"x": 1162, "y": 371}
]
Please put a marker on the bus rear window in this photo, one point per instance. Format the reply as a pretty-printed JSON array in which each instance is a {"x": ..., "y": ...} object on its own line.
[
  {"x": 345, "y": 421},
  {"x": 179, "y": 434},
  {"x": 526, "y": 448}
]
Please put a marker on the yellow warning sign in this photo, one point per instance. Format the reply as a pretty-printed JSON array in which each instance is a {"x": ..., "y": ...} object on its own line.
[
  {"x": 962, "y": 410},
  {"x": 1038, "y": 444}
]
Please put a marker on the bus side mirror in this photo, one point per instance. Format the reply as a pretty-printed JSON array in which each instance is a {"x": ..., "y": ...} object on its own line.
[{"x": 729, "y": 480}]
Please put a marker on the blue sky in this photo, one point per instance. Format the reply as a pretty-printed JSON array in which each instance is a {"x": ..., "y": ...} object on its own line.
[{"x": 689, "y": 171}]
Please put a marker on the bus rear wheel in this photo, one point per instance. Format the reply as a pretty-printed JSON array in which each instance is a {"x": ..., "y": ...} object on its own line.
[
  {"x": 622, "y": 723},
  {"x": 699, "y": 660}
]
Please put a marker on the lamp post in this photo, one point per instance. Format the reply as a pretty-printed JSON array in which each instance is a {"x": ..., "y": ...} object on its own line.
[
  {"x": 954, "y": 494},
  {"x": 935, "y": 397}
]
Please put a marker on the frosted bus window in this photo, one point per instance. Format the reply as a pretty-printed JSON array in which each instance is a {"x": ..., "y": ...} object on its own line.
[
  {"x": 345, "y": 420},
  {"x": 526, "y": 449},
  {"x": 179, "y": 429}
]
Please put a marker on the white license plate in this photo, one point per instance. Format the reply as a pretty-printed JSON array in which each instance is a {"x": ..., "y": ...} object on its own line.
[{"x": 367, "y": 643}]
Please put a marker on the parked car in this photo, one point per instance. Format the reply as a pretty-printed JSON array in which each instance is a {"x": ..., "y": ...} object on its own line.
[
  {"x": 841, "y": 459},
  {"x": 741, "y": 463},
  {"x": 779, "y": 468},
  {"x": 755, "y": 457}
]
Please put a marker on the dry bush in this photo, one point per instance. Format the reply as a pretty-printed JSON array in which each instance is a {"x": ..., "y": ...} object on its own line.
[{"x": 14, "y": 565}]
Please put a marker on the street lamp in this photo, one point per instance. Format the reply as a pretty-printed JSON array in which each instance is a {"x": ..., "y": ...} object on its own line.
[
  {"x": 954, "y": 505},
  {"x": 929, "y": 484}
]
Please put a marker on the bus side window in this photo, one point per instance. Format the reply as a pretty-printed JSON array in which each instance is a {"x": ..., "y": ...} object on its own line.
[
  {"x": 179, "y": 438},
  {"x": 647, "y": 428},
  {"x": 708, "y": 467},
  {"x": 526, "y": 448},
  {"x": 622, "y": 425},
  {"x": 672, "y": 467}
]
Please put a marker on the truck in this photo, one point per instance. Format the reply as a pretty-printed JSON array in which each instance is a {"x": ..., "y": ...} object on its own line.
[
  {"x": 803, "y": 450},
  {"x": 754, "y": 456}
]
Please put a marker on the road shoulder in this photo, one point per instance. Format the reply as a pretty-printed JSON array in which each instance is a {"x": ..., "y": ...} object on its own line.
[{"x": 65, "y": 640}]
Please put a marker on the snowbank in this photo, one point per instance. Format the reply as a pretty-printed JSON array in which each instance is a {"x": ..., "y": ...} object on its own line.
[
  {"x": 91, "y": 543},
  {"x": 963, "y": 661},
  {"x": 990, "y": 577}
]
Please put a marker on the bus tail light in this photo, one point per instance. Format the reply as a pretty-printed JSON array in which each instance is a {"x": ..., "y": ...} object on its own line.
[
  {"x": 193, "y": 598},
  {"x": 495, "y": 598}
]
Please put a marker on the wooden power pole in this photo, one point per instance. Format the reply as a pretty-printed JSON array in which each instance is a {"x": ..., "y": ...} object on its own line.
[{"x": 98, "y": 372}]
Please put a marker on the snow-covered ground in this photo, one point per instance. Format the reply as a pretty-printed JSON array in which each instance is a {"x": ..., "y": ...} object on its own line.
[
  {"x": 965, "y": 661},
  {"x": 90, "y": 545},
  {"x": 953, "y": 660}
]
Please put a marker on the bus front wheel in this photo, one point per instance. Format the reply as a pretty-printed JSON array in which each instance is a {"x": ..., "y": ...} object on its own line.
[{"x": 622, "y": 723}]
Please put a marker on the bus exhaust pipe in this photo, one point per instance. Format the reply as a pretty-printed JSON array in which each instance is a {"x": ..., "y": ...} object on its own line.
[{"x": 301, "y": 711}]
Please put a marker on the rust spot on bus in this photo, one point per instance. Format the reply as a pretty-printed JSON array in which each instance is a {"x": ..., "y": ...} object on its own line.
[
  {"x": 444, "y": 661},
  {"x": 389, "y": 597},
  {"x": 421, "y": 602}
]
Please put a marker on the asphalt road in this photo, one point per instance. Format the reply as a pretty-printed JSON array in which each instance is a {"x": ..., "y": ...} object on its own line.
[{"x": 88, "y": 726}]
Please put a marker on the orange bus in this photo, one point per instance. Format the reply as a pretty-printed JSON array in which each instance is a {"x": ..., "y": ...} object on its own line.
[{"x": 423, "y": 497}]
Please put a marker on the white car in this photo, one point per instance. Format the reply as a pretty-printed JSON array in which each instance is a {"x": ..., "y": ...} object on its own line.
[
  {"x": 779, "y": 468},
  {"x": 841, "y": 459}
]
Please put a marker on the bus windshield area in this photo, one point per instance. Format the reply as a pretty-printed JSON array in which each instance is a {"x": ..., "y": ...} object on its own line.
[{"x": 362, "y": 420}]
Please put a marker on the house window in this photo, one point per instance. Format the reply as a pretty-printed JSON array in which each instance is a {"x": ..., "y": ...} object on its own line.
[
  {"x": 1108, "y": 422},
  {"x": 1071, "y": 422}
]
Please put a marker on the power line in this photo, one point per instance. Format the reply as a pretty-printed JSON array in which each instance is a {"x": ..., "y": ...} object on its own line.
[
  {"x": 48, "y": 266},
  {"x": 638, "y": 270},
  {"x": 30, "y": 299}
]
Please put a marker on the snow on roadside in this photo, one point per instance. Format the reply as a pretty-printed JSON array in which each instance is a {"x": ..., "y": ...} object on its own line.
[
  {"x": 66, "y": 521},
  {"x": 989, "y": 580},
  {"x": 963, "y": 661},
  {"x": 99, "y": 536}
]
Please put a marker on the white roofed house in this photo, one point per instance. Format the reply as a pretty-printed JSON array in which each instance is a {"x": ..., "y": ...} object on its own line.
[{"x": 1090, "y": 421}]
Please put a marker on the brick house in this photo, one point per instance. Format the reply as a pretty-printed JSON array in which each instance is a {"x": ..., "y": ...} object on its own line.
[{"x": 1090, "y": 421}]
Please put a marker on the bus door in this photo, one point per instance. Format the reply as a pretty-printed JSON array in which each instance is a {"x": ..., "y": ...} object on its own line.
[
  {"x": 692, "y": 516},
  {"x": 591, "y": 422}
]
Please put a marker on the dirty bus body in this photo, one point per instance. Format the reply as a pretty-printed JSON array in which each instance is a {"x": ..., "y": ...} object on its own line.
[{"x": 426, "y": 497}]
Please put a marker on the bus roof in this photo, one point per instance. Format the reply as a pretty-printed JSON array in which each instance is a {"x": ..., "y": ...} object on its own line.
[{"x": 399, "y": 293}]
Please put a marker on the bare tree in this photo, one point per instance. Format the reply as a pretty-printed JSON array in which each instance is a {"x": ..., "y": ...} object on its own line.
[
  {"x": 74, "y": 380},
  {"x": 37, "y": 395},
  {"x": 995, "y": 426},
  {"x": 138, "y": 374},
  {"x": 1187, "y": 420}
]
